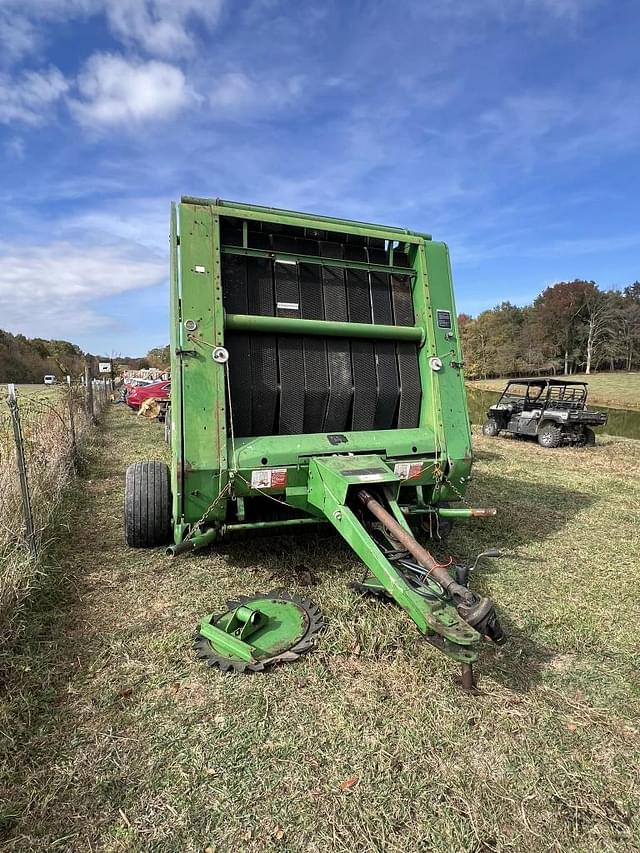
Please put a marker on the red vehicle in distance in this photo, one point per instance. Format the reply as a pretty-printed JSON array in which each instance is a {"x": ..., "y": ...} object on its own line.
[{"x": 160, "y": 391}]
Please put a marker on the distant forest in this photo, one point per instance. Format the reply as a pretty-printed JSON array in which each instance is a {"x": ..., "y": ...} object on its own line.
[
  {"x": 571, "y": 327},
  {"x": 28, "y": 360}
]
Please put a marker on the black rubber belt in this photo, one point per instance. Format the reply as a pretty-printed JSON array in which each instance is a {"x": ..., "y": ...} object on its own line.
[
  {"x": 338, "y": 411},
  {"x": 236, "y": 301},
  {"x": 407, "y": 355},
  {"x": 388, "y": 380},
  {"x": 316, "y": 372},
  {"x": 362, "y": 351},
  {"x": 264, "y": 365},
  {"x": 290, "y": 352}
]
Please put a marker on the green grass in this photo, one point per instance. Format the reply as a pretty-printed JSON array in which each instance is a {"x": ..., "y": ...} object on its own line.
[
  {"x": 117, "y": 739},
  {"x": 617, "y": 390},
  {"x": 36, "y": 392}
]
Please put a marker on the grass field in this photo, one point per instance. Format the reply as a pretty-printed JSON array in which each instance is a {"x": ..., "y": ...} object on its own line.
[
  {"x": 115, "y": 738},
  {"x": 40, "y": 392},
  {"x": 617, "y": 390}
]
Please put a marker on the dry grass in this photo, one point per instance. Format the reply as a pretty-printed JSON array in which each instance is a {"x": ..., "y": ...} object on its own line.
[
  {"x": 51, "y": 459},
  {"x": 618, "y": 390},
  {"x": 117, "y": 739}
]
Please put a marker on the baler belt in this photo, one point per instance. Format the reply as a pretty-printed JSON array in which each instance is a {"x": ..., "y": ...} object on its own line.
[
  {"x": 407, "y": 355},
  {"x": 290, "y": 348},
  {"x": 385, "y": 353},
  {"x": 264, "y": 356},
  {"x": 338, "y": 349},
  {"x": 316, "y": 373},
  {"x": 362, "y": 352},
  {"x": 309, "y": 384},
  {"x": 236, "y": 299}
]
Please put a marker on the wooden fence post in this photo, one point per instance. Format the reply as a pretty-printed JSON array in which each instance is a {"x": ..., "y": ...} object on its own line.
[
  {"x": 22, "y": 471},
  {"x": 88, "y": 394}
]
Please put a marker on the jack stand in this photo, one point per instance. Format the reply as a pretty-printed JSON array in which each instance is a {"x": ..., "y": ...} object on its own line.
[{"x": 467, "y": 680}]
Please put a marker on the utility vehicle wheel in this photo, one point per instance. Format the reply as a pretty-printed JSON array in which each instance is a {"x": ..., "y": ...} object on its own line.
[
  {"x": 490, "y": 427},
  {"x": 550, "y": 436},
  {"x": 167, "y": 425},
  {"x": 147, "y": 505},
  {"x": 588, "y": 437}
]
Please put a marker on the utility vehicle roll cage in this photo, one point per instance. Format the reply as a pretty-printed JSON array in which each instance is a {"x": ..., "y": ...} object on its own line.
[{"x": 547, "y": 394}]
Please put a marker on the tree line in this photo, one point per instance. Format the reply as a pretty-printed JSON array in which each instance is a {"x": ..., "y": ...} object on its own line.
[
  {"x": 28, "y": 360},
  {"x": 571, "y": 327}
]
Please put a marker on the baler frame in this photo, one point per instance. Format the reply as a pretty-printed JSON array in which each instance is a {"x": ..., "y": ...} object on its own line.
[
  {"x": 367, "y": 483},
  {"x": 200, "y": 259}
]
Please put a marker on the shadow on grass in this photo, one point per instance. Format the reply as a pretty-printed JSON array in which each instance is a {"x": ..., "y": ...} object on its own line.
[{"x": 528, "y": 512}]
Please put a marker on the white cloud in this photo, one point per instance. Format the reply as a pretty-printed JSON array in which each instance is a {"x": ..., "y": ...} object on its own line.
[
  {"x": 50, "y": 289},
  {"x": 160, "y": 27},
  {"x": 234, "y": 91},
  {"x": 231, "y": 90},
  {"x": 114, "y": 90},
  {"x": 30, "y": 97},
  {"x": 18, "y": 35},
  {"x": 15, "y": 147}
]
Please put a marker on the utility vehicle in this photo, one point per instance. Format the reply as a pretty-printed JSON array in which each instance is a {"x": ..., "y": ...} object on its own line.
[{"x": 552, "y": 410}]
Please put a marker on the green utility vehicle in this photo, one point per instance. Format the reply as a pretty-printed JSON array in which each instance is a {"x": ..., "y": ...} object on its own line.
[
  {"x": 554, "y": 411},
  {"x": 316, "y": 379}
]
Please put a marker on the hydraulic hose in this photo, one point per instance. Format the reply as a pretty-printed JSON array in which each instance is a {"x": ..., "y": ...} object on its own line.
[{"x": 438, "y": 572}]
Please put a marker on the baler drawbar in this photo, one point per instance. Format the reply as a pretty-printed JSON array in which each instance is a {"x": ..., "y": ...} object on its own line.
[{"x": 316, "y": 378}]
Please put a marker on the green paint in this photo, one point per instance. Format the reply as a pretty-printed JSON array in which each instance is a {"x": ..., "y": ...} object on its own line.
[
  {"x": 250, "y": 634},
  {"x": 322, "y": 473},
  {"x": 322, "y": 328}
]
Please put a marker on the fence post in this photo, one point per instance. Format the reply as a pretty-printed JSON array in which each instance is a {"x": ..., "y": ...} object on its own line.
[
  {"x": 88, "y": 394},
  {"x": 72, "y": 427},
  {"x": 22, "y": 471}
]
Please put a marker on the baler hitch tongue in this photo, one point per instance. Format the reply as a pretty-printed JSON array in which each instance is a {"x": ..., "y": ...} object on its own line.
[{"x": 476, "y": 611}]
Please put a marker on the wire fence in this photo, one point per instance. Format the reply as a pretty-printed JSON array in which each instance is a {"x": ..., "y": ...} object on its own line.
[{"x": 40, "y": 439}]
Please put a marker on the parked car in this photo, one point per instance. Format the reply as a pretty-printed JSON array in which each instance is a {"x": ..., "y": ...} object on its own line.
[
  {"x": 49, "y": 379},
  {"x": 552, "y": 410},
  {"x": 160, "y": 391}
]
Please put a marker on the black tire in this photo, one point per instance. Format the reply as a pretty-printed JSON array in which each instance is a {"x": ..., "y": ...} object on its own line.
[
  {"x": 167, "y": 425},
  {"x": 550, "y": 435},
  {"x": 490, "y": 427},
  {"x": 147, "y": 505},
  {"x": 588, "y": 437}
]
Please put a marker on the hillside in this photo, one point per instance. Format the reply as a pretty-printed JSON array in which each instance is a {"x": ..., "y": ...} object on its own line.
[{"x": 26, "y": 360}]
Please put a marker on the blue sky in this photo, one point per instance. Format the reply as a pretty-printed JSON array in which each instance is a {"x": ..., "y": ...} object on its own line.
[{"x": 508, "y": 128}]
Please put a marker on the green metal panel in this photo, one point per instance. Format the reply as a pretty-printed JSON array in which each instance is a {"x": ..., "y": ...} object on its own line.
[
  {"x": 176, "y": 374},
  {"x": 204, "y": 446},
  {"x": 240, "y": 210},
  {"x": 450, "y": 380}
]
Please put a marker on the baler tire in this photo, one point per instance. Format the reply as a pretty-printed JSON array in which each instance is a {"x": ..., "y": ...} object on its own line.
[
  {"x": 589, "y": 437},
  {"x": 490, "y": 427},
  {"x": 147, "y": 505},
  {"x": 550, "y": 436}
]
